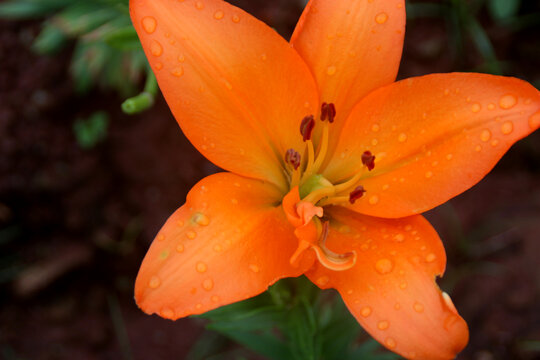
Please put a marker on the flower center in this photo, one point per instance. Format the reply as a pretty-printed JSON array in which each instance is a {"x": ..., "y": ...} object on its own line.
[{"x": 310, "y": 191}]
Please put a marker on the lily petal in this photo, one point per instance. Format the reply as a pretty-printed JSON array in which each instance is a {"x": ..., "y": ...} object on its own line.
[
  {"x": 391, "y": 290},
  {"x": 433, "y": 137},
  {"x": 231, "y": 82},
  {"x": 229, "y": 242},
  {"x": 345, "y": 44}
]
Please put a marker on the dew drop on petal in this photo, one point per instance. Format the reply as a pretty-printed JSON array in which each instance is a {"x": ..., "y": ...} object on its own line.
[
  {"x": 507, "y": 101},
  {"x": 375, "y": 128},
  {"x": 419, "y": 308},
  {"x": 402, "y": 137},
  {"x": 366, "y": 311},
  {"x": 397, "y": 306},
  {"x": 478, "y": 148},
  {"x": 383, "y": 325},
  {"x": 218, "y": 15},
  {"x": 390, "y": 343},
  {"x": 381, "y": 18},
  {"x": 384, "y": 266},
  {"x": 161, "y": 237},
  {"x": 491, "y": 106},
  {"x": 428, "y": 174},
  {"x": 399, "y": 238},
  {"x": 534, "y": 121},
  {"x": 485, "y": 135},
  {"x": 476, "y": 107},
  {"x": 149, "y": 24},
  {"x": 155, "y": 48},
  {"x": 154, "y": 282},
  {"x": 201, "y": 267},
  {"x": 217, "y": 248},
  {"x": 178, "y": 71},
  {"x": 254, "y": 268},
  {"x": 403, "y": 285},
  {"x": 507, "y": 127},
  {"x": 208, "y": 284},
  {"x": 234, "y": 201},
  {"x": 236, "y": 19},
  {"x": 199, "y": 5},
  {"x": 201, "y": 219},
  {"x": 214, "y": 298},
  {"x": 191, "y": 234},
  {"x": 180, "y": 248},
  {"x": 323, "y": 280},
  {"x": 374, "y": 200},
  {"x": 181, "y": 58},
  {"x": 167, "y": 313},
  {"x": 431, "y": 257},
  {"x": 331, "y": 70}
]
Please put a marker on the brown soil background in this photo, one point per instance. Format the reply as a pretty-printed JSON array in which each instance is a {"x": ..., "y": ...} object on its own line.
[{"x": 75, "y": 224}]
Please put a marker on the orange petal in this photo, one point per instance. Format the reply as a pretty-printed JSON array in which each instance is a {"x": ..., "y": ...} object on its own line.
[
  {"x": 391, "y": 290},
  {"x": 236, "y": 88},
  {"x": 229, "y": 242},
  {"x": 352, "y": 48},
  {"x": 433, "y": 137}
]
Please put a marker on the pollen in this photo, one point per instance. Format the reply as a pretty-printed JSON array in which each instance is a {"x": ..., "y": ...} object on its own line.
[{"x": 306, "y": 127}]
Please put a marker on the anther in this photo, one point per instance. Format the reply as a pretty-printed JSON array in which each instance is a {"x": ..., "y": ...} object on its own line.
[
  {"x": 328, "y": 111},
  {"x": 368, "y": 159},
  {"x": 356, "y": 194},
  {"x": 292, "y": 158},
  {"x": 306, "y": 127}
]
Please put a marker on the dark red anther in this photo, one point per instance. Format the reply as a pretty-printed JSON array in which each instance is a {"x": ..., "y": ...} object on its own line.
[
  {"x": 328, "y": 111},
  {"x": 356, "y": 194},
  {"x": 368, "y": 159},
  {"x": 306, "y": 127},
  {"x": 292, "y": 158}
]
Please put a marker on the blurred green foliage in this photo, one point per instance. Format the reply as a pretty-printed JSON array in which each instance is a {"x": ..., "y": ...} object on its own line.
[
  {"x": 293, "y": 320},
  {"x": 107, "y": 52},
  {"x": 89, "y": 132}
]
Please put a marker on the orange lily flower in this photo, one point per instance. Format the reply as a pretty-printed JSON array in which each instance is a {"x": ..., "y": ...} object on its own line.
[{"x": 329, "y": 162}]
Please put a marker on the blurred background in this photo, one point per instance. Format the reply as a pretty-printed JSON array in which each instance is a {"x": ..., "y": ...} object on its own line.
[{"x": 85, "y": 184}]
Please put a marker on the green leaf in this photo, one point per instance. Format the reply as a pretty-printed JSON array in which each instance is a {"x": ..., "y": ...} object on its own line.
[
  {"x": 50, "y": 40},
  {"x": 92, "y": 130},
  {"x": 503, "y": 9},
  {"x": 124, "y": 38}
]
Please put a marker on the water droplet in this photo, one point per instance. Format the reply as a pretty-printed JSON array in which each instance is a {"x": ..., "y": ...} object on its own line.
[
  {"x": 208, "y": 284},
  {"x": 149, "y": 24},
  {"x": 217, "y": 248},
  {"x": 181, "y": 58},
  {"x": 198, "y": 306},
  {"x": 385, "y": 187},
  {"x": 154, "y": 282},
  {"x": 364, "y": 247},
  {"x": 381, "y": 18},
  {"x": 158, "y": 66},
  {"x": 428, "y": 174},
  {"x": 399, "y": 238},
  {"x": 390, "y": 343},
  {"x": 167, "y": 313},
  {"x": 218, "y": 15},
  {"x": 402, "y": 137},
  {"x": 384, "y": 266},
  {"x": 323, "y": 280},
  {"x": 201, "y": 267},
  {"x": 373, "y": 200},
  {"x": 476, "y": 107},
  {"x": 200, "y": 219},
  {"x": 408, "y": 227},
  {"x": 161, "y": 237},
  {"x": 431, "y": 257},
  {"x": 491, "y": 106},
  {"x": 214, "y": 298},
  {"x": 366, "y": 311},
  {"x": 419, "y": 308},
  {"x": 383, "y": 325},
  {"x": 164, "y": 254},
  {"x": 507, "y": 101},
  {"x": 155, "y": 48},
  {"x": 375, "y": 128},
  {"x": 199, "y": 5},
  {"x": 191, "y": 234},
  {"x": 397, "y": 306},
  {"x": 478, "y": 148},
  {"x": 403, "y": 285},
  {"x": 178, "y": 72},
  {"x": 507, "y": 127},
  {"x": 180, "y": 223},
  {"x": 234, "y": 201},
  {"x": 180, "y": 248},
  {"x": 236, "y": 19},
  {"x": 494, "y": 142},
  {"x": 446, "y": 91},
  {"x": 331, "y": 70},
  {"x": 485, "y": 135},
  {"x": 254, "y": 268},
  {"x": 534, "y": 121}
]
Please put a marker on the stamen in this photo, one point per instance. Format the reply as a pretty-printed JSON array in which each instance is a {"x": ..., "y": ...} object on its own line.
[
  {"x": 306, "y": 127},
  {"x": 368, "y": 159},
  {"x": 292, "y": 158},
  {"x": 356, "y": 194},
  {"x": 330, "y": 259},
  {"x": 322, "y": 149},
  {"x": 328, "y": 111}
]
